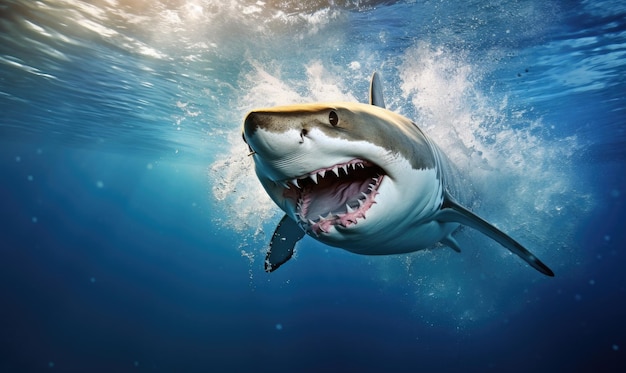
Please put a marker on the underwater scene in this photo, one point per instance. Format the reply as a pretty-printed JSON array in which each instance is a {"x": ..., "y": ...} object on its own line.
[{"x": 135, "y": 220}]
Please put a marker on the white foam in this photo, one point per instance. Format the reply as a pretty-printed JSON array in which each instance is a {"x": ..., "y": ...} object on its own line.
[
  {"x": 517, "y": 171},
  {"x": 244, "y": 206}
]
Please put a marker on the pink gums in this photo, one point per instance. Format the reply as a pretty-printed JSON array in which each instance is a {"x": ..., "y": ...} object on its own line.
[
  {"x": 334, "y": 193},
  {"x": 345, "y": 220}
]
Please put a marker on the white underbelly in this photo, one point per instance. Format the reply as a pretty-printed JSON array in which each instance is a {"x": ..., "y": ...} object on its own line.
[{"x": 398, "y": 240}]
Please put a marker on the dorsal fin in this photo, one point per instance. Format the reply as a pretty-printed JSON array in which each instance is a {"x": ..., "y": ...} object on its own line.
[{"x": 376, "y": 91}]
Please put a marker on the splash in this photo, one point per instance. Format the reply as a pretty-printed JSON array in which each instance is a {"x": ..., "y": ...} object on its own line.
[
  {"x": 245, "y": 205},
  {"x": 264, "y": 89},
  {"x": 522, "y": 175}
]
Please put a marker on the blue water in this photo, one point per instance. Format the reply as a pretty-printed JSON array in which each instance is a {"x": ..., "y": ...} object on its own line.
[{"x": 133, "y": 229}]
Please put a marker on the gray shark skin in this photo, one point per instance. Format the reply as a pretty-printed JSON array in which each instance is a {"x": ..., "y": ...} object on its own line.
[{"x": 361, "y": 178}]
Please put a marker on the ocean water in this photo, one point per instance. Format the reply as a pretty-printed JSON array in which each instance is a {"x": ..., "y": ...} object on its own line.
[{"x": 133, "y": 229}]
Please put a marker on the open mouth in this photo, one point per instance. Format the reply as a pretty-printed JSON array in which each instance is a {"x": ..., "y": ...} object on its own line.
[{"x": 337, "y": 195}]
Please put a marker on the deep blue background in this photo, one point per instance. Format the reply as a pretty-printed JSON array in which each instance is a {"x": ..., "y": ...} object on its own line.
[{"x": 116, "y": 256}]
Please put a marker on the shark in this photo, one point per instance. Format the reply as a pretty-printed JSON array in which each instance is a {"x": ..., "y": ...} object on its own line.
[{"x": 362, "y": 178}]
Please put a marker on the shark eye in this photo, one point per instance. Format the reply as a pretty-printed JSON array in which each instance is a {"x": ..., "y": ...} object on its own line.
[{"x": 333, "y": 118}]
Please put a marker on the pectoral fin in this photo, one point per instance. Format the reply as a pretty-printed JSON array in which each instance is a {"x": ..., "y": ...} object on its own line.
[
  {"x": 451, "y": 211},
  {"x": 284, "y": 239}
]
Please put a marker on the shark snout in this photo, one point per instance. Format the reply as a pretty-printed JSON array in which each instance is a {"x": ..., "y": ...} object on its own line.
[
  {"x": 271, "y": 136},
  {"x": 252, "y": 123}
]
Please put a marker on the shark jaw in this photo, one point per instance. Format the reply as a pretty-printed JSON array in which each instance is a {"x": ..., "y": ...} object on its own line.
[{"x": 337, "y": 196}]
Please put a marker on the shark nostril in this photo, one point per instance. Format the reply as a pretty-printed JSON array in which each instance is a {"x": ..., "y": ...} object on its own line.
[{"x": 303, "y": 133}]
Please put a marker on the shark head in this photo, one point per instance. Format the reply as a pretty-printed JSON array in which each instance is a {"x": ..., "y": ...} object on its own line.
[{"x": 343, "y": 171}]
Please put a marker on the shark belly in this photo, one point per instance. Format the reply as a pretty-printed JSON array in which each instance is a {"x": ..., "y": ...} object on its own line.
[{"x": 405, "y": 240}]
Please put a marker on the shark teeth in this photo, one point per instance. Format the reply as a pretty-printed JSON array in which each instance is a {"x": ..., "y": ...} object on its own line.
[
  {"x": 315, "y": 175},
  {"x": 323, "y": 201},
  {"x": 350, "y": 216}
]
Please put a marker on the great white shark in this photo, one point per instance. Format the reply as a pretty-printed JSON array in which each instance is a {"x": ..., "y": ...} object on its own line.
[{"x": 362, "y": 178}]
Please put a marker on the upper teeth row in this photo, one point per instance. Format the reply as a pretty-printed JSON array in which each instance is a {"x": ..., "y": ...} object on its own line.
[{"x": 314, "y": 175}]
